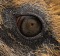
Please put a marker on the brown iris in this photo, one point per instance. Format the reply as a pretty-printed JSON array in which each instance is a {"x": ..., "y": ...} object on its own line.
[{"x": 29, "y": 25}]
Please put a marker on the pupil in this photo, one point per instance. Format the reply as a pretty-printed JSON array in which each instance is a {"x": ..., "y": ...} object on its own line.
[{"x": 32, "y": 24}]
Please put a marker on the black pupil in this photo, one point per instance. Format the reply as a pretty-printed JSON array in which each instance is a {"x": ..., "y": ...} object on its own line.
[{"x": 29, "y": 25}]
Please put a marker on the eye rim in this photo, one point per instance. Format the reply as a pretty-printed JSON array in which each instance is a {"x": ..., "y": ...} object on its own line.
[{"x": 40, "y": 33}]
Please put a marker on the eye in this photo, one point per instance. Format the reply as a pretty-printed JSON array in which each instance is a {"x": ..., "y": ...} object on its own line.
[{"x": 29, "y": 25}]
